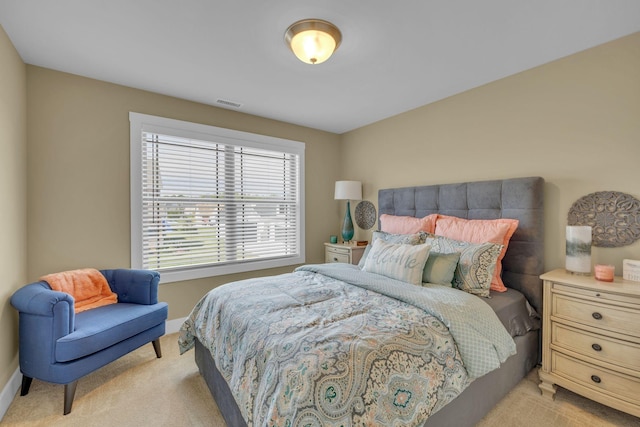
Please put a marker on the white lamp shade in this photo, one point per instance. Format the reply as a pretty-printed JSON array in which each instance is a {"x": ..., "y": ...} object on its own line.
[{"x": 348, "y": 190}]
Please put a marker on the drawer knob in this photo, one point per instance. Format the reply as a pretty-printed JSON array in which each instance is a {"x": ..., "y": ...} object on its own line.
[
  {"x": 335, "y": 259},
  {"x": 596, "y": 347},
  {"x": 597, "y": 315},
  {"x": 596, "y": 379}
]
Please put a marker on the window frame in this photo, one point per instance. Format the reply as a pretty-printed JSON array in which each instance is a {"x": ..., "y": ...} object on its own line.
[{"x": 140, "y": 123}]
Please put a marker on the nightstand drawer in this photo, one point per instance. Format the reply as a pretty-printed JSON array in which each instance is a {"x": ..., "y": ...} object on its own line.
[
  {"x": 619, "y": 319},
  {"x": 336, "y": 252},
  {"x": 606, "y": 349},
  {"x": 339, "y": 250},
  {"x": 620, "y": 386},
  {"x": 336, "y": 256}
]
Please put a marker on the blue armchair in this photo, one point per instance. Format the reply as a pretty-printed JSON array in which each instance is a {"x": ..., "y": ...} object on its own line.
[{"x": 59, "y": 346}]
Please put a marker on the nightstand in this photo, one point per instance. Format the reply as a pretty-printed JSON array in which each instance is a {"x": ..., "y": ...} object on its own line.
[
  {"x": 340, "y": 252},
  {"x": 591, "y": 339}
]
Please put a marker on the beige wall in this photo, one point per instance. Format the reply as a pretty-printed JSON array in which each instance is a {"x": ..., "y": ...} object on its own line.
[
  {"x": 78, "y": 188},
  {"x": 575, "y": 122},
  {"x": 13, "y": 176}
]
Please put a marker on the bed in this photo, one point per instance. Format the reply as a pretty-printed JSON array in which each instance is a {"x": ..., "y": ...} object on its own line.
[{"x": 466, "y": 391}]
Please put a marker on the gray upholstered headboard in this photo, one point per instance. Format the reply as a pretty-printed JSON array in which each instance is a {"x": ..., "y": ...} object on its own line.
[{"x": 519, "y": 198}]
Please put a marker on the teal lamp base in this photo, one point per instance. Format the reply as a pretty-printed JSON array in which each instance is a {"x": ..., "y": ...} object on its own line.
[{"x": 347, "y": 225}]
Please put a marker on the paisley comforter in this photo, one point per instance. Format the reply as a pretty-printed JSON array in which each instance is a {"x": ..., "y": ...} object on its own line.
[{"x": 332, "y": 345}]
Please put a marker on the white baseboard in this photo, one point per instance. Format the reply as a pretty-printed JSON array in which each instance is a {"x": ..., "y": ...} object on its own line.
[
  {"x": 173, "y": 326},
  {"x": 9, "y": 392},
  {"x": 13, "y": 385}
]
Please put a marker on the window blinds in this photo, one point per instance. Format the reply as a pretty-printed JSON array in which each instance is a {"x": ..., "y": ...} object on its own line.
[{"x": 207, "y": 203}]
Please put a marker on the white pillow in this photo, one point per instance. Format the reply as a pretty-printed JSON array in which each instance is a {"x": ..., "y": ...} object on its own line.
[
  {"x": 397, "y": 261},
  {"x": 410, "y": 239}
]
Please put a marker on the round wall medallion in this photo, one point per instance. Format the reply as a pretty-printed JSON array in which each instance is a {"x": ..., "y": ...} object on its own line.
[
  {"x": 613, "y": 216},
  {"x": 365, "y": 215}
]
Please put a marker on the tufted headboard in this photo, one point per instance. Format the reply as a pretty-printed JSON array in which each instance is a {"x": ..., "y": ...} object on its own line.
[{"x": 519, "y": 198}]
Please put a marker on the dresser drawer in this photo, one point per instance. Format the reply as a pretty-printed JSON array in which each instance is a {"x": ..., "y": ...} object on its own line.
[
  {"x": 620, "y": 319},
  {"x": 606, "y": 349},
  {"x": 598, "y": 294},
  {"x": 619, "y": 386}
]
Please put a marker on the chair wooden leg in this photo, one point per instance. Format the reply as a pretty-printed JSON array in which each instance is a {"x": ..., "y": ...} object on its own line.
[
  {"x": 26, "y": 383},
  {"x": 69, "y": 394},
  {"x": 156, "y": 347}
]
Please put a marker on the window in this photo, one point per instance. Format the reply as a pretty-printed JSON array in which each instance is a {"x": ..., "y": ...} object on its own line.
[{"x": 207, "y": 201}]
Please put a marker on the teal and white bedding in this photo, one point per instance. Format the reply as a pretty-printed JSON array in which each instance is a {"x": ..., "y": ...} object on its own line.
[{"x": 331, "y": 345}]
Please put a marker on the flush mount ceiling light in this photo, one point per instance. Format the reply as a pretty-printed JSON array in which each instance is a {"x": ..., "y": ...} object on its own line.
[{"x": 313, "y": 40}]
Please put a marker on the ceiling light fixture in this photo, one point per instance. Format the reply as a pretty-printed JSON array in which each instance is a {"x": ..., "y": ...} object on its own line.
[{"x": 313, "y": 41}]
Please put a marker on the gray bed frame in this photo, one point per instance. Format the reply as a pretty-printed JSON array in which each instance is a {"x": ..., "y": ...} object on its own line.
[{"x": 519, "y": 198}]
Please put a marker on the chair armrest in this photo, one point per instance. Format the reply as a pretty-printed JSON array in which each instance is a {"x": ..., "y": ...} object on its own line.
[
  {"x": 134, "y": 286},
  {"x": 38, "y": 298},
  {"x": 39, "y": 305}
]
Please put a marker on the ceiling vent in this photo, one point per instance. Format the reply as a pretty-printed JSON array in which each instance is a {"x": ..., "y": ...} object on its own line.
[{"x": 228, "y": 103}]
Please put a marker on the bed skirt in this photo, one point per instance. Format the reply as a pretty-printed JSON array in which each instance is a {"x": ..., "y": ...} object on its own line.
[{"x": 465, "y": 410}]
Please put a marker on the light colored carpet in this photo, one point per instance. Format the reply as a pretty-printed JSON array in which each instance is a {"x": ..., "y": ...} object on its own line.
[{"x": 141, "y": 390}]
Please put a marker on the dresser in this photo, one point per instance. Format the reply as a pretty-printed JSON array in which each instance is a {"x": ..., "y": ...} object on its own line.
[
  {"x": 591, "y": 339},
  {"x": 340, "y": 252}
]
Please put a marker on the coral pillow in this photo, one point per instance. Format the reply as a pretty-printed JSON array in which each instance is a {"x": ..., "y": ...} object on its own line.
[
  {"x": 480, "y": 231},
  {"x": 407, "y": 224}
]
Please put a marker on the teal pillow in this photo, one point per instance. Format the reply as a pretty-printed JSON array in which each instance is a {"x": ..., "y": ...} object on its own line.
[
  {"x": 440, "y": 267},
  {"x": 476, "y": 265}
]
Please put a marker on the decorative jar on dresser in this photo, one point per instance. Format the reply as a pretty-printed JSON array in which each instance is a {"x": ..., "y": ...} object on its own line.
[
  {"x": 591, "y": 339},
  {"x": 342, "y": 252}
]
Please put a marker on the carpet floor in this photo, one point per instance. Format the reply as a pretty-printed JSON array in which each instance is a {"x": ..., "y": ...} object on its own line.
[{"x": 141, "y": 390}]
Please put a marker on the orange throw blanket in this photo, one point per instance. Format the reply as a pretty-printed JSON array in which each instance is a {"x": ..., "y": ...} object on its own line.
[{"x": 87, "y": 286}]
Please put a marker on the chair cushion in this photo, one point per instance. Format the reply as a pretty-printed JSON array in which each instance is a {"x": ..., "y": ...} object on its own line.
[{"x": 102, "y": 327}]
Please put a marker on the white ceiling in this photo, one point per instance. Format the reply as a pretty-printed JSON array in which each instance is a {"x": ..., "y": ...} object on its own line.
[{"x": 395, "y": 55}]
